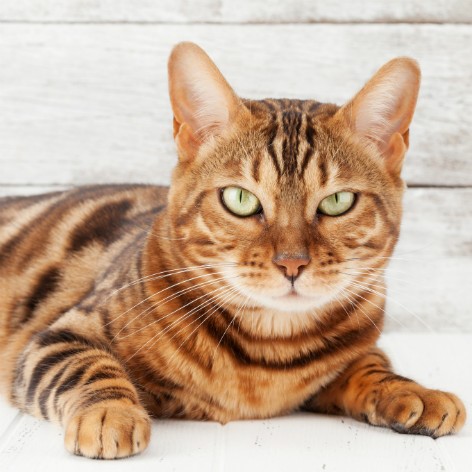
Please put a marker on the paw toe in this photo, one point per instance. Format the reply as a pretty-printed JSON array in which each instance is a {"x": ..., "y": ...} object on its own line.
[
  {"x": 108, "y": 432},
  {"x": 426, "y": 412}
]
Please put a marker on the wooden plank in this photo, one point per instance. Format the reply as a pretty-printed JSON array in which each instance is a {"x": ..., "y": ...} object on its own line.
[
  {"x": 176, "y": 445},
  {"x": 230, "y": 11},
  {"x": 307, "y": 442},
  {"x": 91, "y": 100},
  {"x": 429, "y": 276},
  {"x": 430, "y": 273},
  {"x": 446, "y": 365},
  {"x": 301, "y": 442},
  {"x": 439, "y": 361},
  {"x": 21, "y": 190},
  {"x": 429, "y": 359},
  {"x": 9, "y": 416}
]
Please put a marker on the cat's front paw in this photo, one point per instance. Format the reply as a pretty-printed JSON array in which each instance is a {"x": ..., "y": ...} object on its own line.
[
  {"x": 422, "y": 411},
  {"x": 108, "y": 432}
]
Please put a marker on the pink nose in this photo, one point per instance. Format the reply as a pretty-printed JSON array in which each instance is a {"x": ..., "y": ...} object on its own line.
[{"x": 291, "y": 265}]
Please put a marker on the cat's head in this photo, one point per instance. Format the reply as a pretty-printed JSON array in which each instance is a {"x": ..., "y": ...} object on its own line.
[{"x": 303, "y": 199}]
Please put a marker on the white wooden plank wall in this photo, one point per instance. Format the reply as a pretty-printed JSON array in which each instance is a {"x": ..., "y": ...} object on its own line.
[
  {"x": 238, "y": 11},
  {"x": 83, "y": 99}
]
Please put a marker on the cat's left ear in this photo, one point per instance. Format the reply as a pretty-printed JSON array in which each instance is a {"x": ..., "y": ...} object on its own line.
[
  {"x": 382, "y": 111},
  {"x": 203, "y": 103}
]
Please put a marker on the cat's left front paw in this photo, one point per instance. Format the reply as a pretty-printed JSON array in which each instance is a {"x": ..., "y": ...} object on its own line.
[{"x": 422, "y": 411}]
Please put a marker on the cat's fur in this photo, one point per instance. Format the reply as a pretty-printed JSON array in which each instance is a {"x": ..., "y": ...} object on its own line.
[{"x": 122, "y": 301}]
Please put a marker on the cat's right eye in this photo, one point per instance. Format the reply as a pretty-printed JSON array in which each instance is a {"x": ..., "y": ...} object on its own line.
[{"x": 240, "y": 201}]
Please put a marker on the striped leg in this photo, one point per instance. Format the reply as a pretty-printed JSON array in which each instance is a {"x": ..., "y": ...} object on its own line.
[
  {"x": 369, "y": 391},
  {"x": 70, "y": 380}
]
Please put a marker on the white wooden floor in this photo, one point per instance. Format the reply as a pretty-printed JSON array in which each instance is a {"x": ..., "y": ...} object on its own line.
[{"x": 301, "y": 442}]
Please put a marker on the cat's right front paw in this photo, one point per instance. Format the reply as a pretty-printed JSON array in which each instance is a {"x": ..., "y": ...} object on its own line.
[{"x": 108, "y": 432}]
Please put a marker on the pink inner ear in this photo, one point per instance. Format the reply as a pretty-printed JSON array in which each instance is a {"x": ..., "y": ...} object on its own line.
[
  {"x": 200, "y": 96},
  {"x": 379, "y": 114},
  {"x": 382, "y": 111},
  {"x": 382, "y": 120},
  {"x": 204, "y": 107}
]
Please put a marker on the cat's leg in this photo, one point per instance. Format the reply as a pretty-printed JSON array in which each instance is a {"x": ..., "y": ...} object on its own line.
[
  {"x": 370, "y": 391},
  {"x": 71, "y": 380}
]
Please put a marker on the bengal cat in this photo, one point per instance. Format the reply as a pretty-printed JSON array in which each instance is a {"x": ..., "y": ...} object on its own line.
[{"x": 252, "y": 288}]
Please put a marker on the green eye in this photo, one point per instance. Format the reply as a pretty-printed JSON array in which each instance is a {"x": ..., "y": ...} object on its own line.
[
  {"x": 241, "y": 202},
  {"x": 336, "y": 204}
]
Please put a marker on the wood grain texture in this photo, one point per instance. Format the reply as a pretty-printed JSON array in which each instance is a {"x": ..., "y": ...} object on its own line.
[
  {"x": 8, "y": 417},
  {"x": 430, "y": 273},
  {"x": 84, "y": 103},
  {"x": 232, "y": 11},
  {"x": 429, "y": 276},
  {"x": 301, "y": 442}
]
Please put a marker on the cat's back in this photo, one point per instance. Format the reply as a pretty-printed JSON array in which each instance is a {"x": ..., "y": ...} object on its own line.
[
  {"x": 79, "y": 217},
  {"x": 54, "y": 246}
]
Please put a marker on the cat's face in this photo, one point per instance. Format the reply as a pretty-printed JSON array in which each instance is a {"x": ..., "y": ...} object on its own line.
[{"x": 293, "y": 207}]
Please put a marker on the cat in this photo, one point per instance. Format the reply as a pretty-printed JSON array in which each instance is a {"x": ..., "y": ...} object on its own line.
[{"x": 253, "y": 287}]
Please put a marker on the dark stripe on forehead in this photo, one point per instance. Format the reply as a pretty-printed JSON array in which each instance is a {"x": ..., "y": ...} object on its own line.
[
  {"x": 291, "y": 124},
  {"x": 273, "y": 106},
  {"x": 313, "y": 108},
  {"x": 256, "y": 163},
  {"x": 272, "y": 134},
  {"x": 310, "y": 150},
  {"x": 286, "y": 121},
  {"x": 323, "y": 170}
]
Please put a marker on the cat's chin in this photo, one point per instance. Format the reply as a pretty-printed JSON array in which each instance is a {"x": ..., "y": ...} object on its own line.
[{"x": 292, "y": 302}]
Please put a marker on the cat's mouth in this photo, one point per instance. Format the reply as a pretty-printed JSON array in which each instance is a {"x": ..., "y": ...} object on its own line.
[
  {"x": 288, "y": 299},
  {"x": 292, "y": 294}
]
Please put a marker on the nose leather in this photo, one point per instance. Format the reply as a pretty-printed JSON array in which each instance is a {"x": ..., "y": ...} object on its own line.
[{"x": 291, "y": 265}]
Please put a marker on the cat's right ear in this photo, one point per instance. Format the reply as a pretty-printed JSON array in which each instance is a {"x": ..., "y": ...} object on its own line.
[{"x": 202, "y": 101}]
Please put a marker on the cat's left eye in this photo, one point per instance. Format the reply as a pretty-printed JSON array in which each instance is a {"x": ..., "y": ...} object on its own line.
[
  {"x": 240, "y": 201},
  {"x": 337, "y": 203}
]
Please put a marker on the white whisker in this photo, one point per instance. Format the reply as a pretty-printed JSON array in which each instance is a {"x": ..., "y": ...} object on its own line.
[
  {"x": 169, "y": 298},
  {"x": 229, "y": 325},
  {"x": 161, "y": 333},
  {"x": 399, "y": 304},
  {"x": 228, "y": 297},
  {"x": 360, "y": 308},
  {"x": 169, "y": 273}
]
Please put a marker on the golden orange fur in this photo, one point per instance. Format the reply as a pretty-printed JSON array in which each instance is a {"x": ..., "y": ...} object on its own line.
[{"x": 123, "y": 301}]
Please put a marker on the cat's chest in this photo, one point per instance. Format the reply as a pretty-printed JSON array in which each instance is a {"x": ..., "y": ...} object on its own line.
[
  {"x": 237, "y": 393},
  {"x": 241, "y": 392},
  {"x": 233, "y": 387}
]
